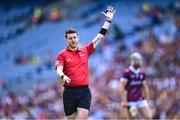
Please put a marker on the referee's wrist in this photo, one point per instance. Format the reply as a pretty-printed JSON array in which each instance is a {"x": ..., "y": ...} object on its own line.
[
  {"x": 103, "y": 31},
  {"x": 109, "y": 21}
]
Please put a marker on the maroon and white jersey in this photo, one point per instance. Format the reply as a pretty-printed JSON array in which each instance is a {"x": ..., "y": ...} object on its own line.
[{"x": 134, "y": 79}]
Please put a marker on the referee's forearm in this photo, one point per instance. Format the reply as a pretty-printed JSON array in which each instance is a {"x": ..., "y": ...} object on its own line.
[
  {"x": 101, "y": 33},
  {"x": 105, "y": 27},
  {"x": 60, "y": 71},
  {"x": 106, "y": 24}
]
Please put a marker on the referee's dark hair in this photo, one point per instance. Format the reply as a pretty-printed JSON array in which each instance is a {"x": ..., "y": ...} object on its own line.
[{"x": 70, "y": 31}]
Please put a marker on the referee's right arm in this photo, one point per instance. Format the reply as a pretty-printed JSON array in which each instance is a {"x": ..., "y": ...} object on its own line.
[
  {"x": 59, "y": 71},
  {"x": 59, "y": 68}
]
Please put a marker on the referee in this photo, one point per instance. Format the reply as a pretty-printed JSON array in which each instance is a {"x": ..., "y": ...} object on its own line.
[{"x": 72, "y": 67}]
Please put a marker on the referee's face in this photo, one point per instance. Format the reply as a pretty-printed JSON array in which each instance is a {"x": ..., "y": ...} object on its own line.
[{"x": 72, "y": 40}]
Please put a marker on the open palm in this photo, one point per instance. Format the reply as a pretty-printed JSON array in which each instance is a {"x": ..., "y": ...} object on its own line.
[{"x": 109, "y": 13}]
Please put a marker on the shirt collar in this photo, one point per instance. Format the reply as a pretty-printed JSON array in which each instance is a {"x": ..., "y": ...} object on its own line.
[
  {"x": 134, "y": 70},
  {"x": 79, "y": 49}
]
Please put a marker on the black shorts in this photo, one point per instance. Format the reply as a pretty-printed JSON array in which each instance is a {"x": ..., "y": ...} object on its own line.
[{"x": 74, "y": 97}]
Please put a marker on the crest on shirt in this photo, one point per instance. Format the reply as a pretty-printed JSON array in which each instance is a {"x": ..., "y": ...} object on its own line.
[
  {"x": 132, "y": 76},
  {"x": 69, "y": 59},
  {"x": 81, "y": 54},
  {"x": 141, "y": 76},
  {"x": 137, "y": 75}
]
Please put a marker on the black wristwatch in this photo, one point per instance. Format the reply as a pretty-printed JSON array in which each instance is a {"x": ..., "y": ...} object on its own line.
[{"x": 62, "y": 76}]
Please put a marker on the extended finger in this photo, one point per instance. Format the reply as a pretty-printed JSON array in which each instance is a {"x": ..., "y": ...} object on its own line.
[
  {"x": 104, "y": 13},
  {"x": 108, "y": 8},
  {"x": 67, "y": 80},
  {"x": 111, "y": 9},
  {"x": 114, "y": 11}
]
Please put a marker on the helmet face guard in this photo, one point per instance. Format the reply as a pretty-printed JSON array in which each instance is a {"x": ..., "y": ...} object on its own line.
[{"x": 135, "y": 57}]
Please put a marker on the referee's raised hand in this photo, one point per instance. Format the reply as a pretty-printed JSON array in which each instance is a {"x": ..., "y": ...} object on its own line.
[{"x": 109, "y": 13}]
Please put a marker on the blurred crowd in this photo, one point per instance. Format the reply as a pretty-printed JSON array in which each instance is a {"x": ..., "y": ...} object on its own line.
[
  {"x": 39, "y": 15},
  {"x": 40, "y": 63},
  {"x": 44, "y": 102},
  {"x": 161, "y": 62},
  {"x": 19, "y": 18}
]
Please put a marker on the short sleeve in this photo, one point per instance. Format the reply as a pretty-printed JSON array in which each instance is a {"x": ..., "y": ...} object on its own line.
[
  {"x": 90, "y": 48},
  {"x": 59, "y": 61},
  {"x": 124, "y": 76}
]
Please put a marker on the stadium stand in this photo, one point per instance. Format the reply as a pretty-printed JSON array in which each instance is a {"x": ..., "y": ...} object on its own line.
[{"x": 29, "y": 86}]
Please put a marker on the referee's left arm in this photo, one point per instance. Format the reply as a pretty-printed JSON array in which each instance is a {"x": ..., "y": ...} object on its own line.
[{"x": 109, "y": 13}]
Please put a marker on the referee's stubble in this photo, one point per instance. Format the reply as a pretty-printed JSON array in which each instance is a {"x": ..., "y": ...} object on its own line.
[{"x": 72, "y": 40}]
